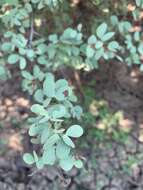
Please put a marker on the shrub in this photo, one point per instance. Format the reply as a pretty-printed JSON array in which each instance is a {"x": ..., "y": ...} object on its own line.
[{"x": 39, "y": 55}]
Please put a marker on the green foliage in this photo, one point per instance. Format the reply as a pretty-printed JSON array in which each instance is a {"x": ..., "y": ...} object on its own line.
[
  {"x": 38, "y": 56},
  {"x": 48, "y": 128}
]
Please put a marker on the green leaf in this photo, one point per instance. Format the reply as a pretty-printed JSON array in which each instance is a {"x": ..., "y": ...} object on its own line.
[
  {"x": 51, "y": 141},
  {"x": 108, "y": 36},
  {"x": 138, "y": 2},
  {"x": 33, "y": 131},
  {"x": 49, "y": 156},
  {"x": 43, "y": 60},
  {"x": 38, "y": 109},
  {"x": 28, "y": 158},
  {"x": 27, "y": 75},
  {"x": 53, "y": 38},
  {"x": 39, "y": 97},
  {"x": 113, "y": 46},
  {"x": 99, "y": 44},
  {"x": 11, "y": 2},
  {"x": 13, "y": 58},
  {"x": 92, "y": 40},
  {"x": 78, "y": 164},
  {"x": 45, "y": 134},
  {"x": 6, "y": 46},
  {"x": 101, "y": 30},
  {"x": 39, "y": 161},
  {"x": 75, "y": 131},
  {"x": 57, "y": 111},
  {"x": 89, "y": 52},
  {"x": 49, "y": 86},
  {"x": 2, "y": 70},
  {"x": 68, "y": 141},
  {"x": 62, "y": 150},
  {"x": 30, "y": 53},
  {"x": 22, "y": 63},
  {"x": 67, "y": 164},
  {"x": 141, "y": 67}
]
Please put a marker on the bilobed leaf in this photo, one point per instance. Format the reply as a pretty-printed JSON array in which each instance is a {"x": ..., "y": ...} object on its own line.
[
  {"x": 68, "y": 141},
  {"x": 28, "y": 158},
  {"x": 101, "y": 30},
  {"x": 62, "y": 150},
  {"x": 75, "y": 131}
]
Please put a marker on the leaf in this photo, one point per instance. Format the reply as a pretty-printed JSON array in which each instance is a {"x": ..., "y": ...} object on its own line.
[
  {"x": 108, "y": 36},
  {"x": 98, "y": 44},
  {"x": 13, "y": 58},
  {"x": 78, "y": 164},
  {"x": 113, "y": 46},
  {"x": 75, "y": 131},
  {"x": 61, "y": 90},
  {"x": 138, "y": 2},
  {"x": 62, "y": 150},
  {"x": 30, "y": 53},
  {"x": 68, "y": 141},
  {"x": 38, "y": 109},
  {"x": 140, "y": 49},
  {"x": 33, "y": 131},
  {"x": 27, "y": 75},
  {"x": 45, "y": 135},
  {"x": 89, "y": 52},
  {"x": 53, "y": 38},
  {"x": 28, "y": 158},
  {"x": 141, "y": 67},
  {"x": 2, "y": 70},
  {"x": 39, "y": 161},
  {"x": 101, "y": 30},
  {"x": 39, "y": 97},
  {"x": 114, "y": 20},
  {"x": 43, "y": 60},
  {"x": 51, "y": 141},
  {"x": 11, "y": 2},
  {"x": 67, "y": 164},
  {"x": 49, "y": 86},
  {"x": 6, "y": 46},
  {"x": 57, "y": 111},
  {"x": 92, "y": 40},
  {"x": 49, "y": 156},
  {"x": 22, "y": 63}
]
